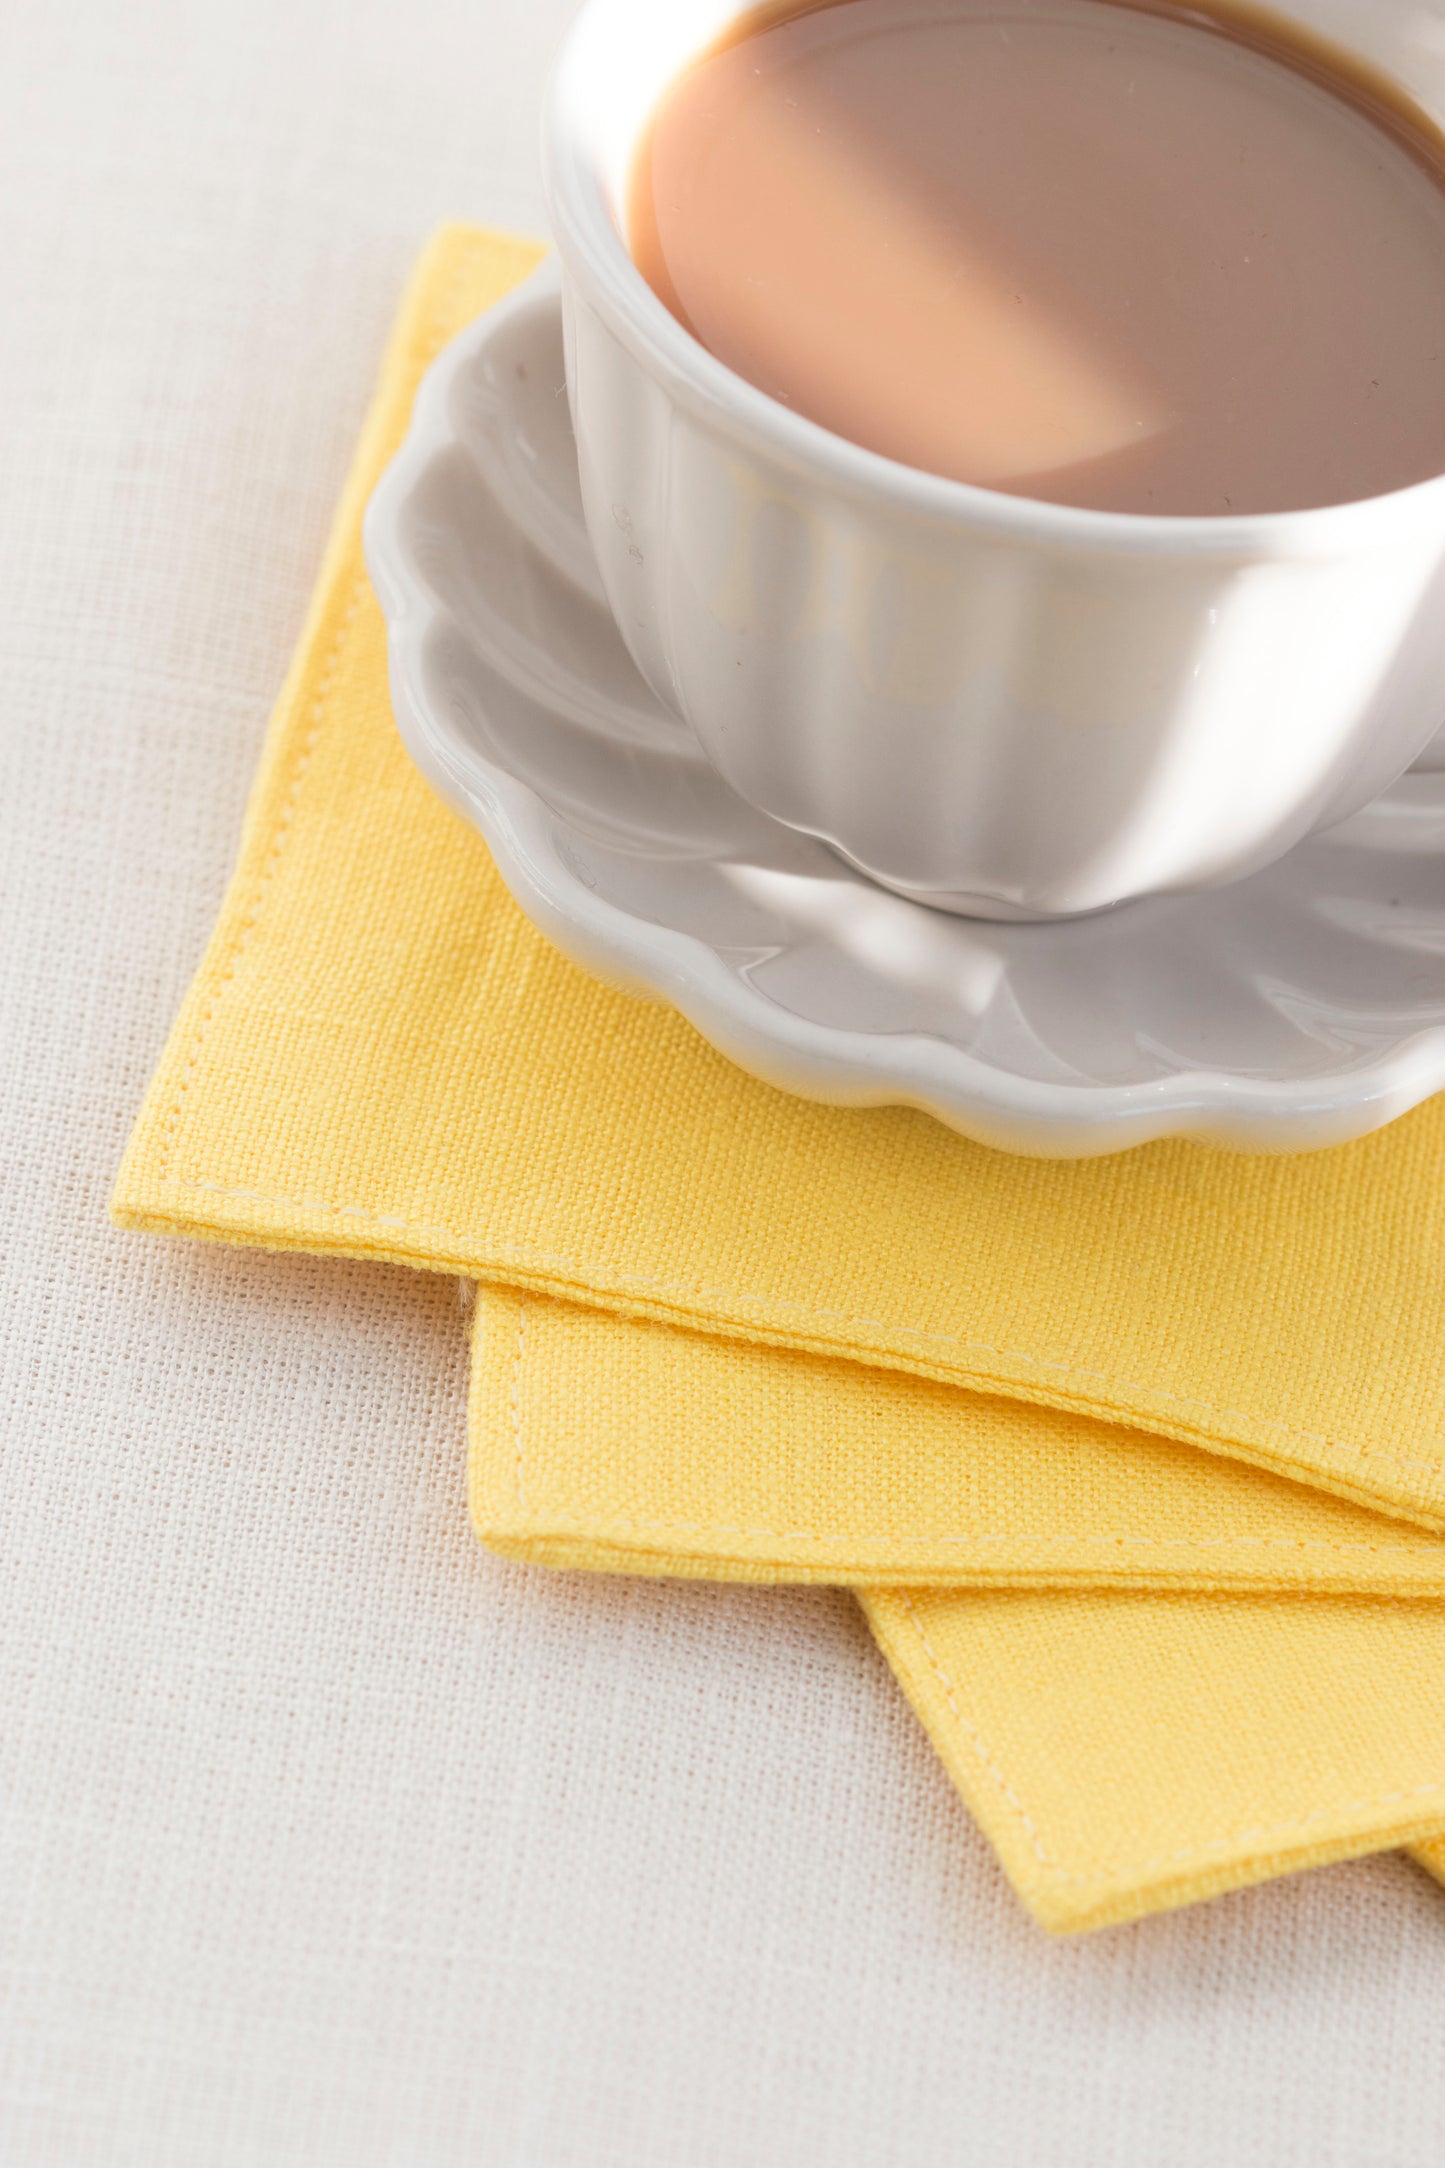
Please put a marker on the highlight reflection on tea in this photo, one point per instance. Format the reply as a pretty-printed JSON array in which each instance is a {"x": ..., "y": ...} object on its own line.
[{"x": 1117, "y": 253}]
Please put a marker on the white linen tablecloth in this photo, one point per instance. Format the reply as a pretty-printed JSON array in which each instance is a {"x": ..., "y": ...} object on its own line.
[{"x": 327, "y": 1839}]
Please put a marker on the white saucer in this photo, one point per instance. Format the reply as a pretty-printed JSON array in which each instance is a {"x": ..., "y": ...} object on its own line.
[{"x": 1302, "y": 1008}]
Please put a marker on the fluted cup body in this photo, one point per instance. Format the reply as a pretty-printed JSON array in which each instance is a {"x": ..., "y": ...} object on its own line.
[{"x": 1014, "y": 709}]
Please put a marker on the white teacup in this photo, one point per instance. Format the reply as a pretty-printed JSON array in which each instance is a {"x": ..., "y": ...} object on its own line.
[{"x": 1000, "y": 707}]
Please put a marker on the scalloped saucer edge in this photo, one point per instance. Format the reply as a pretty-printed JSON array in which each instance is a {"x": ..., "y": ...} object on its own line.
[{"x": 1300, "y": 1009}]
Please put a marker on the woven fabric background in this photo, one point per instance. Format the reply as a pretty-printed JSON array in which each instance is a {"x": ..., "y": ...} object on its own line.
[{"x": 327, "y": 1839}]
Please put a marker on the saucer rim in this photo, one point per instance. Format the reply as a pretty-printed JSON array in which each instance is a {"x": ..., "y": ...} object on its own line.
[{"x": 1026, "y": 1116}]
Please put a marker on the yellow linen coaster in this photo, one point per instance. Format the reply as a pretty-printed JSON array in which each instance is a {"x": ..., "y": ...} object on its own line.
[
  {"x": 380, "y": 1057},
  {"x": 1123, "y": 1751},
  {"x": 631, "y": 1446}
]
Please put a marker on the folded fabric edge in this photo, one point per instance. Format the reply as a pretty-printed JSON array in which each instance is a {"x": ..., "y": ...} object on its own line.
[
  {"x": 416, "y": 329},
  {"x": 517, "y": 1511},
  {"x": 137, "y": 1205},
  {"x": 143, "y": 1205},
  {"x": 1069, "y": 1904},
  {"x": 144, "y": 1198},
  {"x": 1431, "y": 1856},
  {"x": 1062, "y": 1905},
  {"x": 510, "y": 1519},
  {"x": 532, "y": 1537},
  {"x": 676, "y": 1553}
]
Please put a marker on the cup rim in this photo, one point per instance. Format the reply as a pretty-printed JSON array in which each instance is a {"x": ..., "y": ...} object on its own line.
[{"x": 595, "y": 255}]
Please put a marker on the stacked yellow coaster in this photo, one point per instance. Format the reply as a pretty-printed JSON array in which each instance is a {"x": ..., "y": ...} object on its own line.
[{"x": 1136, "y": 1465}]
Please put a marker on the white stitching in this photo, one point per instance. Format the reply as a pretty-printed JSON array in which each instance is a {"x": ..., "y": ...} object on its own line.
[
  {"x": 1052, "y": 1867},
  {"x": 522, "y": 1498},
  {"x": 975, "y": 1740},
  {"x": 441, "y": 327},
  {"x": 268, "y": 869},
  {"x": 599, "y": 1526},
  {"x": 525, "y": 1253},
  {"x": 1165, "y": 1859}
]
